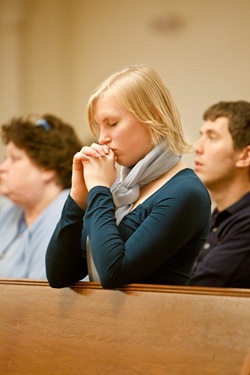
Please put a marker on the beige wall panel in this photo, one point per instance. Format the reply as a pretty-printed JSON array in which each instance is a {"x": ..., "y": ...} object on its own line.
[{"x": 67, "y": 47}]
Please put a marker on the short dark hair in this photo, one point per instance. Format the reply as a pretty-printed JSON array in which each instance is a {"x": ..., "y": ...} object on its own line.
[
  {"x": 48, "y": 141},
  {"x": 238, "y": 114}
]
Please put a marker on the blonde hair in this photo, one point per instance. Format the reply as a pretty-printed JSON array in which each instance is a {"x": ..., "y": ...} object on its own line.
[{"x": 140, "y": 90}]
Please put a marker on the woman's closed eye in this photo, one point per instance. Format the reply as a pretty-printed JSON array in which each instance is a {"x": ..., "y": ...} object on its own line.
[{"x": 112, "y": 124}]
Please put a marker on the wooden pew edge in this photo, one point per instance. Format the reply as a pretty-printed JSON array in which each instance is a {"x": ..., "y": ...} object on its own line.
[
  {"x": 212, "y": 291},
  {"x": 245, "y": 370}
]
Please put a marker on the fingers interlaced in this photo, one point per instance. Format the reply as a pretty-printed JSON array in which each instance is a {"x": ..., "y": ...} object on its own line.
[{"x": 95, "y": 150}]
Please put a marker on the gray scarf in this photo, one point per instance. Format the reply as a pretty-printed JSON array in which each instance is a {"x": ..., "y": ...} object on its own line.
[{"x": 126, "y": 190}]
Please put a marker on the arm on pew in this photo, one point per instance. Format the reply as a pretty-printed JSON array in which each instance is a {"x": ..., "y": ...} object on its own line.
[{"x": 138, "y": 329}]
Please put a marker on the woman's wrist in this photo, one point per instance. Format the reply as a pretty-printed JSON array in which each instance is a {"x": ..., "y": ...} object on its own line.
[{"x": 79, "y": 199}]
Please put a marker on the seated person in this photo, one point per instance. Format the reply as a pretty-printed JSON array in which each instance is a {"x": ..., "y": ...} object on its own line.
[
  {"x": 35, "y": 177},
  {"x": 223, "y": 164},
  {"x": 148, "y": 226}
]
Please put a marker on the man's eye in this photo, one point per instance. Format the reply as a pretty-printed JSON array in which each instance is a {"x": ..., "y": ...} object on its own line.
[
  {"x": 211, "y": 135},
  {"x": 113, "y": 124}
]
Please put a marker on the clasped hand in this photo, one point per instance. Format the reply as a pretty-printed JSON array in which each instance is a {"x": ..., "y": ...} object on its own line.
[{"x": 92, "y": 166}]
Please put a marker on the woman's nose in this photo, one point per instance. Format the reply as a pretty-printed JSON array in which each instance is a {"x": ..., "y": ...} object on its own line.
[
  {"x": 4, "y": 164},
  {"x": 1, "y": 166},
  {"x": 104, "y": 138}
]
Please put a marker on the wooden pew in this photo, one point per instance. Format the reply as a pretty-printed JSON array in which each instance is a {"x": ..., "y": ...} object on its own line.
[{"x": 138, "y": 329}]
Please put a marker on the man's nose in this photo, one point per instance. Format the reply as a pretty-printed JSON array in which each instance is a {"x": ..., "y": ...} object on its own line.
[{"x": 198, "y": 147}]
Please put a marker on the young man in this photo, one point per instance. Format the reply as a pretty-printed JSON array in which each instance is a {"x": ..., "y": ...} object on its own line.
[{"x": 223, "y": 164}]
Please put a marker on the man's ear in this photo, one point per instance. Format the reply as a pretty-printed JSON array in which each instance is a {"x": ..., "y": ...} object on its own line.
[{"x": 244, "y": 158}]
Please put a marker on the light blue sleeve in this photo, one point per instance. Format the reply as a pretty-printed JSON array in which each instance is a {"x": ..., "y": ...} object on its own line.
[{"x": 39, "y": 235}]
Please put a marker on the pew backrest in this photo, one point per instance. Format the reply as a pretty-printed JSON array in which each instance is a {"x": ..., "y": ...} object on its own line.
[{"x": 135, "y": 330}]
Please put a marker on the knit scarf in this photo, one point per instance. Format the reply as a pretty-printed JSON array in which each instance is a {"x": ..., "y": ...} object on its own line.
[{"x": 126, "y": 190}]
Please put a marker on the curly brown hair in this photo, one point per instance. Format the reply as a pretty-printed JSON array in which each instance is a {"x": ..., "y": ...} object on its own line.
[{"x": 48, "y": 141}]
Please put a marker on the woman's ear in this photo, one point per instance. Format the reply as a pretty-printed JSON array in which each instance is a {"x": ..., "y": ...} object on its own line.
[
  {"x": 244, "y": 158},
  {"x": 48, "y": 175}
]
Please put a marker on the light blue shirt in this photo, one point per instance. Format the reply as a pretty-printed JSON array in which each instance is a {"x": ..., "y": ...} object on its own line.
[
  {"x": 3, "y": 201},
  {"x": 22, "y": 249}
]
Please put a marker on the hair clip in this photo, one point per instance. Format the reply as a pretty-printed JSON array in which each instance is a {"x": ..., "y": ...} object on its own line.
[{"x": 43, "y": 124}]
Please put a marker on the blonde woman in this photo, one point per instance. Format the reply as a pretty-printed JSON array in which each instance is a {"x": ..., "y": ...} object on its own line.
[{"x": 148, "y": 225}]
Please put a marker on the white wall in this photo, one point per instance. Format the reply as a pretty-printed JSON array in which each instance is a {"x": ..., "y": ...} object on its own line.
[{"x": 56, "y": 51}]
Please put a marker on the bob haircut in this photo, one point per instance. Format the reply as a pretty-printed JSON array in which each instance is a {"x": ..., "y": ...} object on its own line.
[{"x": 141, "y": 91}]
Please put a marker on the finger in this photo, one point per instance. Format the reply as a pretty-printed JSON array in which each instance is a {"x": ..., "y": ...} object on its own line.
[
  {"x": 101, "y": 149},
  {"x": 81, "y": 156},
  {"x": 89, "y": 151}
]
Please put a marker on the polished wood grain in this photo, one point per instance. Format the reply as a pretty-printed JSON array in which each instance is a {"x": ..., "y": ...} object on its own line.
[{"x": 138, "y": 329}]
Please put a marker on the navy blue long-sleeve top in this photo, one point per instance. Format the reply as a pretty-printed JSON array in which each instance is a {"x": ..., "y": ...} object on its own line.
[
  {"x": 224, "y": 260},
  {"x": 156, "y": 243}
]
